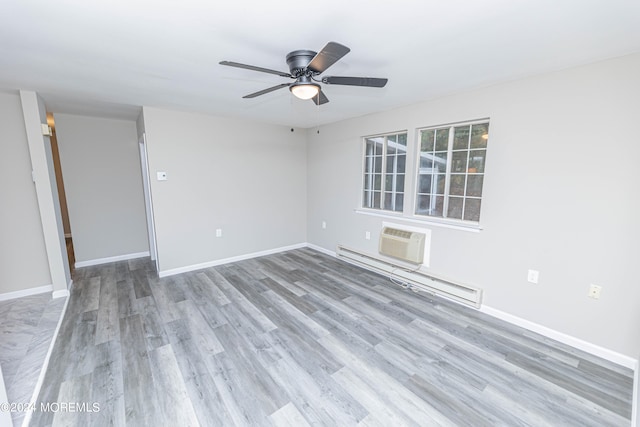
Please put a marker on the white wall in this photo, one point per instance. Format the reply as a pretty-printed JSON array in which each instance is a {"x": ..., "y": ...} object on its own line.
[
  {"x": 248, "y": 179},
  {"x": 23, "y": 257},
  {"x": 560, "y": 196},
  {"x": 103, "y": 182}
]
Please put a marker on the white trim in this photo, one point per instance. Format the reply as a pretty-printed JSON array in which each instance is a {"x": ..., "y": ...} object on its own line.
[
  {"x": 208, "y": 264},
  {"x": 605, "y": 353},
  {"x": 45, "y": 365},
  {"x": 60, "y": 294},
  {"x": 26, "y": 292},
  {"x": 5, "y": 416},
  {"x": 473, "y": 228},
  {"x": 107, "y": 260},
  {"x": 321, "y": 249},
  {"x": 635, "y": 417}
]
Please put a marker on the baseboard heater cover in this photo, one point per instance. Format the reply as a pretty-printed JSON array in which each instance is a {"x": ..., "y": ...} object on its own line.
[{"x": 441, "y": 286}]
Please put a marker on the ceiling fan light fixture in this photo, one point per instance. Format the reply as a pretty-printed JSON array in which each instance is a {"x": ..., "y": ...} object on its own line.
[{"x": 305, "y": 90}]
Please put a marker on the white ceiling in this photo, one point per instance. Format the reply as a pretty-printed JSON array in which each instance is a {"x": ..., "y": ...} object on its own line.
[{"x": 109, "y": 57}]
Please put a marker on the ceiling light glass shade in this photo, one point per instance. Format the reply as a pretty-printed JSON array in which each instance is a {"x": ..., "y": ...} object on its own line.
[{"x": 305, "y": 90}]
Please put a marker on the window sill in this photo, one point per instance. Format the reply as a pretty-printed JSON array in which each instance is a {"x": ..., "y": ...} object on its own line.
[{"x": 431, "y": 222}]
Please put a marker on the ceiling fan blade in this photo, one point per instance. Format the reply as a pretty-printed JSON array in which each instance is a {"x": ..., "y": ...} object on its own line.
[
  {"x": 263, "y": 91},
  {"x": 328, "y": 56},
  {"x": 254, "y": 68},
  {"x": 320, "y": 98},
  {"x": 355, "y": 81}
]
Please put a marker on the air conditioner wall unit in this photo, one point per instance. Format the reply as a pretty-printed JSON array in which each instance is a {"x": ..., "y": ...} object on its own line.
[{"x": 402, "y": 244}]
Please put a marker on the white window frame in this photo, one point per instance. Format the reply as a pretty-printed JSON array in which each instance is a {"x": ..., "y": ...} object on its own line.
[
  {"x": 448, "y": 174},
  {"x": 412, "y": 170},
  {"x": 383, "y": 174}
]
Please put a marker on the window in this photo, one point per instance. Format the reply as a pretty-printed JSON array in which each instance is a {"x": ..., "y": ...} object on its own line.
[
  {"x": 385, "y": 162},
  {"x": 451, "y": 171}
]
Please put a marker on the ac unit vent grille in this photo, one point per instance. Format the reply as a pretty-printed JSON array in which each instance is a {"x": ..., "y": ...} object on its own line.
[{"x": 402, "y": 244}]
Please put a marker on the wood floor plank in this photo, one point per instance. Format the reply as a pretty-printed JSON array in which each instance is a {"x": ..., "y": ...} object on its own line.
[
  {"x": 141, "y": 402},
  {"x": 107, "y": 325},
  {"x": 173, "y": 401}
]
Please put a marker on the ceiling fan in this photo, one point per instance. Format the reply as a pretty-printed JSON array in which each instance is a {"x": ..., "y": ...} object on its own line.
[{"x": 304, "y": 67}]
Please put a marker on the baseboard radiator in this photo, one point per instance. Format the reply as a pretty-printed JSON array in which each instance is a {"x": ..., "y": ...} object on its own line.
[{"x": 420, "y": 280}]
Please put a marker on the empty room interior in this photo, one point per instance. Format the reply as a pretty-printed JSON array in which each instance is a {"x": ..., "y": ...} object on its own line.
[{"x": 336, "y": 214}]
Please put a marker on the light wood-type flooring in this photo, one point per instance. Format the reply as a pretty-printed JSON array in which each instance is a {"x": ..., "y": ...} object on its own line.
[{"x": 300, "y": 338}]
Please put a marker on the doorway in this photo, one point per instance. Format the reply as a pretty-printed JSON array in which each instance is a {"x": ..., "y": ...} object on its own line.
[
  {"x": 146, "y": 184},
  {"x": 61, "y": 193}
]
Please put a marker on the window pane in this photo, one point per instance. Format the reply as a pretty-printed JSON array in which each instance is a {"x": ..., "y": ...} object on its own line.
[
  {"x": 426, "y": 162},
  {"x": 392, "y": 139},
  {"x": 388, "y": 200},
  {"x": 476, "y": 161},
  {"x": 455, "y": 207},
  {"x": 438, "y": 207},
  {"x": 377, "y": 182},
  {"x": 429, "y": 205},
  {"x": 379, "y": 143},
  {"x": 442, "y": 139},
  {"x": 474, "y": 185},
  {"x": 368, "y": 150},
  {"x": 400, "y": 183},
  {"x": 391, "y": 150},
  {"x": 440, "y": 162},
  {"x": 402, "y": 139},
  {"x": 402, "y": 160},
  {"x": 422, "y": 204},
  {"x": 399, "y": 202},
  {"x": 479, "y": 135},
  {"x": 367, "y": 181},
  {"x": 376, "y": 199},
  {"x": 457, "y": 185},
  {"x": 388, "y": 183},
  {"x": 377, "y": 165},
  {"x": 459, "y": 161},
  {"x": 390, "y": 163},
  {"x": 426, "y": 140},
  {"x": 367, "y": 199},
  {"x": 461, "y": 138},
  {"x": 441, "y": 179},
  {"x": 424, "y": 184},
  {"x": 472, "y": 210}
]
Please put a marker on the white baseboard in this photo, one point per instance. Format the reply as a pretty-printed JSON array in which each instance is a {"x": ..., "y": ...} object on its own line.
[
  {"x": 321, "y": 249},
  {"x": 45, "y": 365},
  {"x": 208, "y": 264},
  {"x": 60, "y": 294},
  {"x": 26, "y": 292},
  {"x": 107, "y": 260},
  {"x": 605, "y": 353},
  {"x": 635, "y": 417},
  {"x": 5, "y": 416}
]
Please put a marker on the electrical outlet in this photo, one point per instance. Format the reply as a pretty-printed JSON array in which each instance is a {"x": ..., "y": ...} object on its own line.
[
  {"x": 533, "y": 276},
  {"x": 594, "y": 291},
  {"x": 324, "y": 224},
  {"x": 367, "y": 235},
  {"x": 218, "y": 232}
]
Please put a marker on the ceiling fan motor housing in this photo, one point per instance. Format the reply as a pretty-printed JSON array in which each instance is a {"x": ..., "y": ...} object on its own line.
[{"x": 298, "y": 61}]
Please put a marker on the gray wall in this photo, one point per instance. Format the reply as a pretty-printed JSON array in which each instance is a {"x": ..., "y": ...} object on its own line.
[
  {"x": 248, "y": 179},
  {"x": 103, "y": 183},
  {"x": 23, "y": 258},
  {"x": 560, "y": 196}
]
